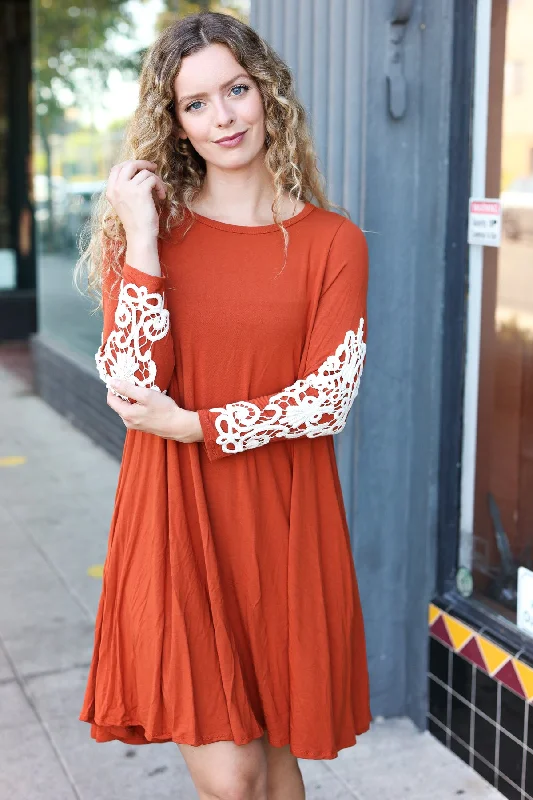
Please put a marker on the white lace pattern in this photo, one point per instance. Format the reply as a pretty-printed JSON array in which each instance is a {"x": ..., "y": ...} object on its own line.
[
  {"x": 140, "y": 320},
  {"x": 298, "y": 410}
]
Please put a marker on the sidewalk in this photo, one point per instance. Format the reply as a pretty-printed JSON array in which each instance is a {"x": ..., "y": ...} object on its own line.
[{"x": 56, "y": 497}]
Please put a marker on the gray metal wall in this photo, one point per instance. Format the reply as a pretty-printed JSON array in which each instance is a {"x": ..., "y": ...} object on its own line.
[{"x": 392, "y": 176}]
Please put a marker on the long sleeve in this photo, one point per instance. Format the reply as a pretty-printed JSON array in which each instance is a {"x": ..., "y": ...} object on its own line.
[
  {"x": 136, "y": 339},
  {"x": 318, "y": 402}
]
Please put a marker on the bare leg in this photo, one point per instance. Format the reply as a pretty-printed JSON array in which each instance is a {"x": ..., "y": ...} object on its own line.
[
  {"x": 227, "y": 771},
  {"x": 284, "y": 779}
]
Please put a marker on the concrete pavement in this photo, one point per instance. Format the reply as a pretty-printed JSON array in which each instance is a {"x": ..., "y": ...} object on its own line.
[{"x": 56, "y": 498}]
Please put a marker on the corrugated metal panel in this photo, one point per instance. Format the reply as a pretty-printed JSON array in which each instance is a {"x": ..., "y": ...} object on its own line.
[{"x": 322, "y": 43}]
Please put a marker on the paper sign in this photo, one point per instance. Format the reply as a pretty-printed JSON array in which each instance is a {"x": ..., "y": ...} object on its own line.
[
  {"x": 8, "y": 269},
  {"x": 524, "y": 610},
  {"x": 485, "y": 222}
]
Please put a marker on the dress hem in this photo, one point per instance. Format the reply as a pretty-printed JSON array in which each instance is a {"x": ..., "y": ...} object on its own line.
[{"x": 296, "y": 751}]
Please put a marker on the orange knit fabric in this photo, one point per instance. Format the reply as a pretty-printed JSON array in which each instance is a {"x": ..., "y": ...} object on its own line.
[{"x": 230, "y": 602}]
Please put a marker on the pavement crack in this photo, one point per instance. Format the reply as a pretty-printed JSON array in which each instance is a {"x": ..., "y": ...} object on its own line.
[
  {"x": 89, "y": 615},
  {"x": 19, "y": 678},
  {"x": 44, "y": 673}
]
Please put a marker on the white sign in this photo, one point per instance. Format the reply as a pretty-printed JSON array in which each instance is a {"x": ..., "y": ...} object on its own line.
[
  {"x": 524, "y": 610},
  {"x": 485, "y": 222},
  {"x": 8, "y": 268}
]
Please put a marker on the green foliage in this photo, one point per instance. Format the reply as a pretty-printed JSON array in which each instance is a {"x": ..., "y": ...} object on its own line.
[{"x": 68, "y": 38}]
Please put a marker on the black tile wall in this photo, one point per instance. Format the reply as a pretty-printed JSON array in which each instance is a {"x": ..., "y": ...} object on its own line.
[
  {"x": 483, "y": 722},
  {"x": 507, "y": 789},
  {"x": 529, "y": 774},
  {"x": 486, "y": 695},
  {"x": 439, "y": 659},
  {"x": 462, "y": 674},
  {"x": 460, "y": 749},
  {"x": 436, "y": 730},
  {"x": 438, "y": 702},
  {"x": 484, "y": 743},
  {"x": 485, "y": 770},
  {"x": 510, "y": 758},
  {"x": 461, "y": 719},
  {"x": 529, "y": 727},
  {"x": 512, "y": 713}
]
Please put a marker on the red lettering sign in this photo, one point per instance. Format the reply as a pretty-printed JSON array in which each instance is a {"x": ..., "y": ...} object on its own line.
[{"x": 478, "y": 207}]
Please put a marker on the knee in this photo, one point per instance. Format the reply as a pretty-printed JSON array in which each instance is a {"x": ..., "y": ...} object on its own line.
[{"x": 239, "y": 788}]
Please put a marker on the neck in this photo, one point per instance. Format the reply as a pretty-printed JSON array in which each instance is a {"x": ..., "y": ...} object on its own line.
[{"x": 244, "y": 194}]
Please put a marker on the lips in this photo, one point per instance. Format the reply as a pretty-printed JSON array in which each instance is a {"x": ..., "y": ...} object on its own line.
[{"x": 230, "y": 138}]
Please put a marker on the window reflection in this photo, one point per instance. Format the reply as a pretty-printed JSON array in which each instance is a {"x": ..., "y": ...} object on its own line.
[
  {"x": 503, "y": 534},
  {"x": 86, "y": 64}
]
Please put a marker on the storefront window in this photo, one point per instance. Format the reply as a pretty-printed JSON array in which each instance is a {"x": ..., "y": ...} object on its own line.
[
  {"x": 501, "y": 538},
  {"x": 86, "y": 64},
  {"x": 17, "y": 268}
]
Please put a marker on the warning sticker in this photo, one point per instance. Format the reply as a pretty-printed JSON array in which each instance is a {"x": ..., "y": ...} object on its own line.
[{"x": 485, "y": 222}]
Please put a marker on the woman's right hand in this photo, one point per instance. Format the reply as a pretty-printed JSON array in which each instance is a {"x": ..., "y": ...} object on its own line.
[{"x": 130, "y": 191}]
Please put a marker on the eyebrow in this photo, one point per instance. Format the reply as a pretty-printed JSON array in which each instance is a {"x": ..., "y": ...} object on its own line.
[{"x": 203, "y": 94}]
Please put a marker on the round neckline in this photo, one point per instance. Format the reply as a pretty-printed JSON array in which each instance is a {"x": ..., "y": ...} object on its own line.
[{"x": 228, "y": 226}]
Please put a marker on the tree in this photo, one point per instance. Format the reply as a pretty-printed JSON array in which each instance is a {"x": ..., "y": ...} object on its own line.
[{"x": 72, "y": 42}]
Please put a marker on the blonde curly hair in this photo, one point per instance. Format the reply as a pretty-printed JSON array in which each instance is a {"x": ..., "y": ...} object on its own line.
[{"x": 152, "y": 135}]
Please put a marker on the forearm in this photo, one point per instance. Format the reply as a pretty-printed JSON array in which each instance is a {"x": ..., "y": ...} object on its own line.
[
  {"x": 187, "y": 427},
  {"x": 146, "y": 411},
  {"x": 142, "y": 254}
]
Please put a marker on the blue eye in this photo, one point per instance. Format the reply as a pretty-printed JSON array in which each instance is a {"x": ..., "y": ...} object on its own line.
[{"x": 242, "y": 86}]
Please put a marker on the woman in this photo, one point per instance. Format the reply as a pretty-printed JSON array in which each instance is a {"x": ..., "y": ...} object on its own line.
[{"x": 233, "y": 345}]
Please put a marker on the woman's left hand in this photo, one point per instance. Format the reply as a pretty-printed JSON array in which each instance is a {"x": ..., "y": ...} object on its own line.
[{"x": 154, "y": 412}]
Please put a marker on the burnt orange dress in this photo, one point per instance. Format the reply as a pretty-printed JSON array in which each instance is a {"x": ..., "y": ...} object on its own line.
[{"x": 229, "y": 602}]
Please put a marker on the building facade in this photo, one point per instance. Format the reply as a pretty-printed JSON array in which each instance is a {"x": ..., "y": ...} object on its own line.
[{"x": 416, "y": 107}]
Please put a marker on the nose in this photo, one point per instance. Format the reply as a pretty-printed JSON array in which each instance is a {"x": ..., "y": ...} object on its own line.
[{"x": 224, "y": 115}]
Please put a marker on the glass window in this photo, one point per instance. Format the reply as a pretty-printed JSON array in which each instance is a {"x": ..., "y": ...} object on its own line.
[
  {"x": 500, "y": 538},
  {"x": 17, "y": 266},
  {"x": 86, "y": 64}
]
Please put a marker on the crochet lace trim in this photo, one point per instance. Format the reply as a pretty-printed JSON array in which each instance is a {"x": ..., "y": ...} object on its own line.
[
  {"x": 140, "y": 320},
  {"x": 298, "y": 410}
]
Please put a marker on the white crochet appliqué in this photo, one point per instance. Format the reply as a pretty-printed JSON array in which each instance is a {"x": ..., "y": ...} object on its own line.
[
  {"x": 140, "y": 320},
  {"x": 298, "y": 410}
]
